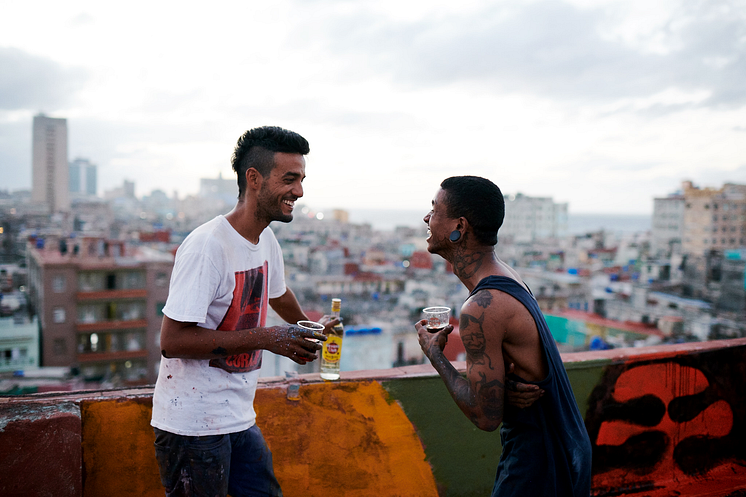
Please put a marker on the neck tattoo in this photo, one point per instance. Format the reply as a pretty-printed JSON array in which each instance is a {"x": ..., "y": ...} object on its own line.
[{"x": 466, "y": 264}]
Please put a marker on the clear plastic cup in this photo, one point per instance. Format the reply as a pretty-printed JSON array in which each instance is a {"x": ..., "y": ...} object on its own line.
[
  {"x": 437, "y": 318},
  {"x": 311, "y": 326}
]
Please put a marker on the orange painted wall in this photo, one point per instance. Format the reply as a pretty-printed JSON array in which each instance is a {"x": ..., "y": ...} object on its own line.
[
  {"x": 343, "y": 439},
  {"x": 118, "y": 453},
  {"x": 337, "y": 439}
]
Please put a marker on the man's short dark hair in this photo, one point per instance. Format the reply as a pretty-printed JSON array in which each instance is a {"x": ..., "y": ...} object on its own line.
[
  {"x": 256, "y": 148},
  {"x": 480, "y": 201}
]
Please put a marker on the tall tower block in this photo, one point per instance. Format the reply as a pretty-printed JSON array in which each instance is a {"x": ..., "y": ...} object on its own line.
[{"x": 50, "y": 182}]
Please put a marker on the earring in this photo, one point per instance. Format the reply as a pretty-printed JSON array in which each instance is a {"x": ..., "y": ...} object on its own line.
[{"x": 455, "y": 236}]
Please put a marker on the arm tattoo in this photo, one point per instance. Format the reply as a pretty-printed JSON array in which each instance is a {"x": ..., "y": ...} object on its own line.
[
  {"x": 220, "y": 351},
  {"x": 483, "y": 299},
  {"x": 474, "y": 341},
  {"x": 491, "y": 397}
]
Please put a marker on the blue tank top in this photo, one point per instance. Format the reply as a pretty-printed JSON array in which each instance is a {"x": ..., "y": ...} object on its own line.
[{"x": 546, "y": 449}]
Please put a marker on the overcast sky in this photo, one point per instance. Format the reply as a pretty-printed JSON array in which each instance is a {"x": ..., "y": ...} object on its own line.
[{"x": 603, "y": 105}]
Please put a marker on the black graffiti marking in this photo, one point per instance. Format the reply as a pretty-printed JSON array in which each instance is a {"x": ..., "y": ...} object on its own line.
[
  {"x": 643, "y": 486},
  {"x": 647, "y": 410},
  {"x": 688, "y": 407},
  {"x": 640, "y": 453},
  {"x": 698, "y": 454},
  {"x": 694, "y": 455}
]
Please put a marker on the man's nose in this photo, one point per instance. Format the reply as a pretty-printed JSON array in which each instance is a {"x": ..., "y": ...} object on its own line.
[
  {"x": 426, "y": 218},
  {"x": 298, "y": 190}
]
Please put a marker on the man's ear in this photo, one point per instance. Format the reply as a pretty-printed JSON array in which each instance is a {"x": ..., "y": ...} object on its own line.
[
  {"x": 463, "y": 224},
  {"x": 253, "y": 179}
]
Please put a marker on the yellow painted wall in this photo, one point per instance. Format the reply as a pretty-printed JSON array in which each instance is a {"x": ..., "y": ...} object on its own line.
[{"x": 338, "y": 439}]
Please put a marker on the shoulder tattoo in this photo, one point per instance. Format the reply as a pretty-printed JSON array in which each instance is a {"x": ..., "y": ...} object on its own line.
[{"x": 483, "y": 298}]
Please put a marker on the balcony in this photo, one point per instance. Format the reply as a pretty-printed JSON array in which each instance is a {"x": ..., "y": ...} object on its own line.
[
  {"x": 664, "y": 420},
  {"x": 112, "y": 294}
]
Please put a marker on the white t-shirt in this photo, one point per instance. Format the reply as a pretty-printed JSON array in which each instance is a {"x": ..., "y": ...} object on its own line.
[{"x": 220, "y": 281}]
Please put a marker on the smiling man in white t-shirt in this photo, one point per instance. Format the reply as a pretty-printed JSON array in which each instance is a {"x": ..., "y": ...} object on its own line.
[{"x": 226, "y": 274}]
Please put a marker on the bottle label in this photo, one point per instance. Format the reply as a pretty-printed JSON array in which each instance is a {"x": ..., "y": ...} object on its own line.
[{"x": 332, "y": 348}]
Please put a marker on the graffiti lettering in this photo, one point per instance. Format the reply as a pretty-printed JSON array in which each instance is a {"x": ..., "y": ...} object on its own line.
[{"x": 644, "y": 419}]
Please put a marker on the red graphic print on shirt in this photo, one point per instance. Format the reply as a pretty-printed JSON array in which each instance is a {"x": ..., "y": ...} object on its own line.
[{"x": 248, "y": 309}]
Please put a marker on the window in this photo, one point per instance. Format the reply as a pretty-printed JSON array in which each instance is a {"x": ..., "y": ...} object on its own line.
[
  {"x": 58, "y": 283},
  {"x": 90, "y": 281},
  {"x": 133, "y": 280},
  {"x": 59, "y": 346},
  {"x": 161, "y": 279},
  {"x": 159, "y": 308},
  {"x": 115, "y": 341},
  {"x": 58, "y": 315},
  {"x": 120, "y": 310}
]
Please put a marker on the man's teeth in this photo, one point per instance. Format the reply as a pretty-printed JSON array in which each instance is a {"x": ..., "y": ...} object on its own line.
[{"x": 291, "y": 203}]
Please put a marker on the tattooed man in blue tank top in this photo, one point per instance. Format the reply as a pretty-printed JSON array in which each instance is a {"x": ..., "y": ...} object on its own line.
[{"x": 510, "y": 353}]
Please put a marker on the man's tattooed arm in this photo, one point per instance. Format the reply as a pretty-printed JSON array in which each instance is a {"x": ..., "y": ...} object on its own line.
[{"x": 481, "y": 395}]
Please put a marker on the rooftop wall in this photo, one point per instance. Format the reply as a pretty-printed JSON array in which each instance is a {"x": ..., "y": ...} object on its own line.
[{"x": 662, "y": 419}]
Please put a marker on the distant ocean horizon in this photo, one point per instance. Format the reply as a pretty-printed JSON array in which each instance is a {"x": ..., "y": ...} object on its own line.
[{"x": 578, "y": 223}]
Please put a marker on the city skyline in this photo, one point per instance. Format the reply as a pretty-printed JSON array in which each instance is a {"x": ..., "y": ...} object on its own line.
[{"x": 603, "y": 106}]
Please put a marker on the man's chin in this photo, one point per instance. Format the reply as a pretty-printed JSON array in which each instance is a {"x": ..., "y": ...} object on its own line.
[{"x": 283, "y": 218}]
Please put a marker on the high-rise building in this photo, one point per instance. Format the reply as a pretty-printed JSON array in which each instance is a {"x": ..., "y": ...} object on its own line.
[
  {"x": 50, "y": 182},
  {"x": 533, "y": 218},
  {"x": 714, "y": 219},
  {"x": 667, "y": 224},
  {"x": 83, "y": 178}
]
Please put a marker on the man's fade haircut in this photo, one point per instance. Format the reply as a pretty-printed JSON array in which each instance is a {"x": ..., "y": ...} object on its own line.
[
  {"x": 256, "y": 148},
  {"x": 480, "y": 201}
]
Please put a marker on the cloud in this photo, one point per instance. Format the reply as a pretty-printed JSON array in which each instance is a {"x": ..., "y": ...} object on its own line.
[
  {"x": 35, "y": 83},
  {"x": 553, "y": 49}
]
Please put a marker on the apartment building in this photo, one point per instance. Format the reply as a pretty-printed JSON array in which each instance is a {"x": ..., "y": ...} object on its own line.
[
  {"x": 100, "y": 305},
  {"x": 83, "y": 177},
  {"x": 667, "y": 227},
  {"x": 533, "y": 218},
  {"x": 714, "y": 219}
]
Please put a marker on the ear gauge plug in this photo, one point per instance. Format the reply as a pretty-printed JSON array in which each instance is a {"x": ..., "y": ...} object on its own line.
[{"x": 455, "y": 236}]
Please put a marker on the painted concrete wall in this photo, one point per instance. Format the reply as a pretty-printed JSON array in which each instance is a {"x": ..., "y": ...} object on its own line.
[{"x": 662, "y": 419}]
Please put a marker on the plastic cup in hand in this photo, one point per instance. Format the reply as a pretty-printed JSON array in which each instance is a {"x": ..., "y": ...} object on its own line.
[
  {"x": 311, "y": 326},
  {"x": 437, "y": 318}
]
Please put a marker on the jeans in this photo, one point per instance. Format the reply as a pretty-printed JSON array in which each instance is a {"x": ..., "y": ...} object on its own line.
[{"x": 214, "y": 465}]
